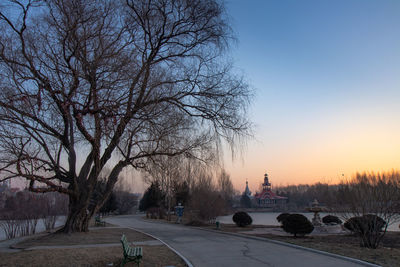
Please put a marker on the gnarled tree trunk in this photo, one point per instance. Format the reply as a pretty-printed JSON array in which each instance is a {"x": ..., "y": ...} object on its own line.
[{"x": 78, "y": 216}]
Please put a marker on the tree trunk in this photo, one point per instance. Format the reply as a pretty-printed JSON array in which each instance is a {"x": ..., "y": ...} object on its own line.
[{"x": 78, "y": 216}]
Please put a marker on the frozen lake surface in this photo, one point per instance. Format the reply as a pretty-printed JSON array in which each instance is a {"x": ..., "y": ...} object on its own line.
[{"x": 269, "y": 218}]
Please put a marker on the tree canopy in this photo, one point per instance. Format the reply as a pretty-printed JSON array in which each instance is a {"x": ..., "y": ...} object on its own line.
[{"x": 86, "y": 85}]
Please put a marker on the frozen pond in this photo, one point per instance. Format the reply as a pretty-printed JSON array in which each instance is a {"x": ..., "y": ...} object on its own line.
[
  {"x": 39, "y": 227},
  {"x": 269, "y": 218}
]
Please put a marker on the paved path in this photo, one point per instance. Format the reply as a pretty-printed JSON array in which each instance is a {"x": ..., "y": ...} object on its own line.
[{"x": 205, "y": 248}]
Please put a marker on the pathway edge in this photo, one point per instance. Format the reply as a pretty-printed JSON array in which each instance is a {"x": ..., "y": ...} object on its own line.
[
  {"x": 189, "y": 264},
  {"x": 293, "y": 246}
]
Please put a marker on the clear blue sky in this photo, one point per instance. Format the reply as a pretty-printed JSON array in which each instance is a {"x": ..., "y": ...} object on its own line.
[{"x": 327, "y": 80}]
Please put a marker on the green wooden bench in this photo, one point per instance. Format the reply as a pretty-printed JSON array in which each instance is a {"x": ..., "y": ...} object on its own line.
[
  {"x": 134, "y": 254},
  {"x": 99, "y": 222}
]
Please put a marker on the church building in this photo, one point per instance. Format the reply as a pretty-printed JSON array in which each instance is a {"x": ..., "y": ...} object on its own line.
[{"x": 266, "y": 198}]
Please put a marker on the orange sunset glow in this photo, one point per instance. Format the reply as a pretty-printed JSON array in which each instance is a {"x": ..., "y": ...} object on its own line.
[
  {"x": 325, "y": 155},
  {"x": 327, "y": 90}
]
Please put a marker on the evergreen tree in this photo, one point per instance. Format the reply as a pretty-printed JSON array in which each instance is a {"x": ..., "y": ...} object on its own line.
[{"x": 153, "y": 197}]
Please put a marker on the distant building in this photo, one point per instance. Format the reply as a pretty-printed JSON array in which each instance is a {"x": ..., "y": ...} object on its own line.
[
  {"x": 247, "y": 191},
  {"x": 266, "y": 198}
]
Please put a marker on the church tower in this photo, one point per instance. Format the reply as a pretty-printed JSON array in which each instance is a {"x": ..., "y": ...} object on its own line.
[
  {"x": 247, "y": 191},
  {"x": 266, "y": 185}
]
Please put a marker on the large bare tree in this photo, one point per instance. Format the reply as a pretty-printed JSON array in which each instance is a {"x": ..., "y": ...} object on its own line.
[{"x": 86, "y": 85}]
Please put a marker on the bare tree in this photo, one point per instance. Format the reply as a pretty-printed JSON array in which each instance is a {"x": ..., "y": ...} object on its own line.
[
  {"x": 206, "y": 201},
  {"x": 126, "y": 202},
  {"x": 168, "y": 172},
  {"x": 22, "y": 211},
  {"x": 90, "y": 84},
  {"x": 372, "y": 203},
  {"x": 225, "y": 186}
]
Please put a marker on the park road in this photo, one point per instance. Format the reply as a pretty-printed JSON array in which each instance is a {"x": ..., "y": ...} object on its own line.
[{"x": 206, "y": 248}]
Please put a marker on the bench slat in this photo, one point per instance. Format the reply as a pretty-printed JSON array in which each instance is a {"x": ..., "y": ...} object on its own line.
[{"x": 131, "y": 253}]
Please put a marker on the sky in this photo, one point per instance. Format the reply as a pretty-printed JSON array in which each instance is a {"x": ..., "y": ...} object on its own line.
[
  {"x": 326, "y": 76},
  {"x": 326, "y": 79}
]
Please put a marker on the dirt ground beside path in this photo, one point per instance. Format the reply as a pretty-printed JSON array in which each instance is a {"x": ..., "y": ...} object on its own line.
[
  {"x": 152, "y": 256},
  {"x": 155, "y": 255},
  {"x": 98, "y": 235}
]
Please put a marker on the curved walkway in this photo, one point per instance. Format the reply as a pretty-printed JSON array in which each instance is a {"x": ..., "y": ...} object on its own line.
[{"x": 207, "y": 248}]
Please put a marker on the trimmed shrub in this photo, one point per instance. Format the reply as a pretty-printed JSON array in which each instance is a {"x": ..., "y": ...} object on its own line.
[
  {"x": 297, "y": 224},
  {"x": 352, "y": 224},
  {"x": 365, "y": 224},
  {"x": 242, "y": 219},
  {"x": 331, "y": 219},
  {"x": 281, "y": 217}
]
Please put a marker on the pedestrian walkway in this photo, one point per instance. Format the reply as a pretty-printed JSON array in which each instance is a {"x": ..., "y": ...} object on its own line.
[
  {"x": 206, "y": 248},
  {"x": 212, "y": 248},
  {"x": 5, "y": 245}
]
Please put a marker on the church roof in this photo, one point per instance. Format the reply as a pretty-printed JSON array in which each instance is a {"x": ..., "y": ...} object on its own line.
[
  {"x": 247, "y": 190},
  {"x": 268, "y": 194}
]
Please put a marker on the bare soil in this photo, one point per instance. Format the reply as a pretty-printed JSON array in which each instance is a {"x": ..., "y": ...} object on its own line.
[
  {"x": 158, "y": 255},
  {"x": 388, "y": 254},
  {"x": 100, "y": 235},
  {"x": 152, "y": 256},
  {"x": 232, "y": 228}
]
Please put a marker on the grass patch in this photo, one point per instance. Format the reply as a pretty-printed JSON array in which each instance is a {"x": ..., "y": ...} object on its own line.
[
  {"x": 233, "y": 228},
  {"x": 388, "y": 254},
  {"x": 102, "y": 235},
  {"x": 152, "y": 256},
  {"x": 224, "y": 227},
  {"x": 155, "y": 255}
]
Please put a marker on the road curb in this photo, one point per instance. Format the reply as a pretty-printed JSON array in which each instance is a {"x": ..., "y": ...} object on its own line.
[
  {"x": 293, "y": 246},
  {"x": 189, "y": 264}
]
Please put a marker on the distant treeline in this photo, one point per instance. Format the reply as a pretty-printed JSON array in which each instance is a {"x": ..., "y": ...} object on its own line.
[{"x": 301, "y": 196}]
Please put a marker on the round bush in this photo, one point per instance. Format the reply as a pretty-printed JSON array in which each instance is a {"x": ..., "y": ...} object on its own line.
[
  {"x": 297, "y": 224},
  {"x": 352, "y": 224},
  {"x": 242, "y": 219},
  {"x": 365, "y": 224},
  {"x": 331, "y": 219},
  {"x": 282, "y": 217}
]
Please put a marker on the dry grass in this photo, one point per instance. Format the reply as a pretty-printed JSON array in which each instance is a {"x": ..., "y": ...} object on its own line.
[
  {"x": 95, "y": 236},
  {"x": 152, "y": 256},
  {"x": 233, "y": 228},
  {"x": 388, "y": 254},
  {"x": 225, "y": 227},
  {"x": 158, "y": 255}
]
